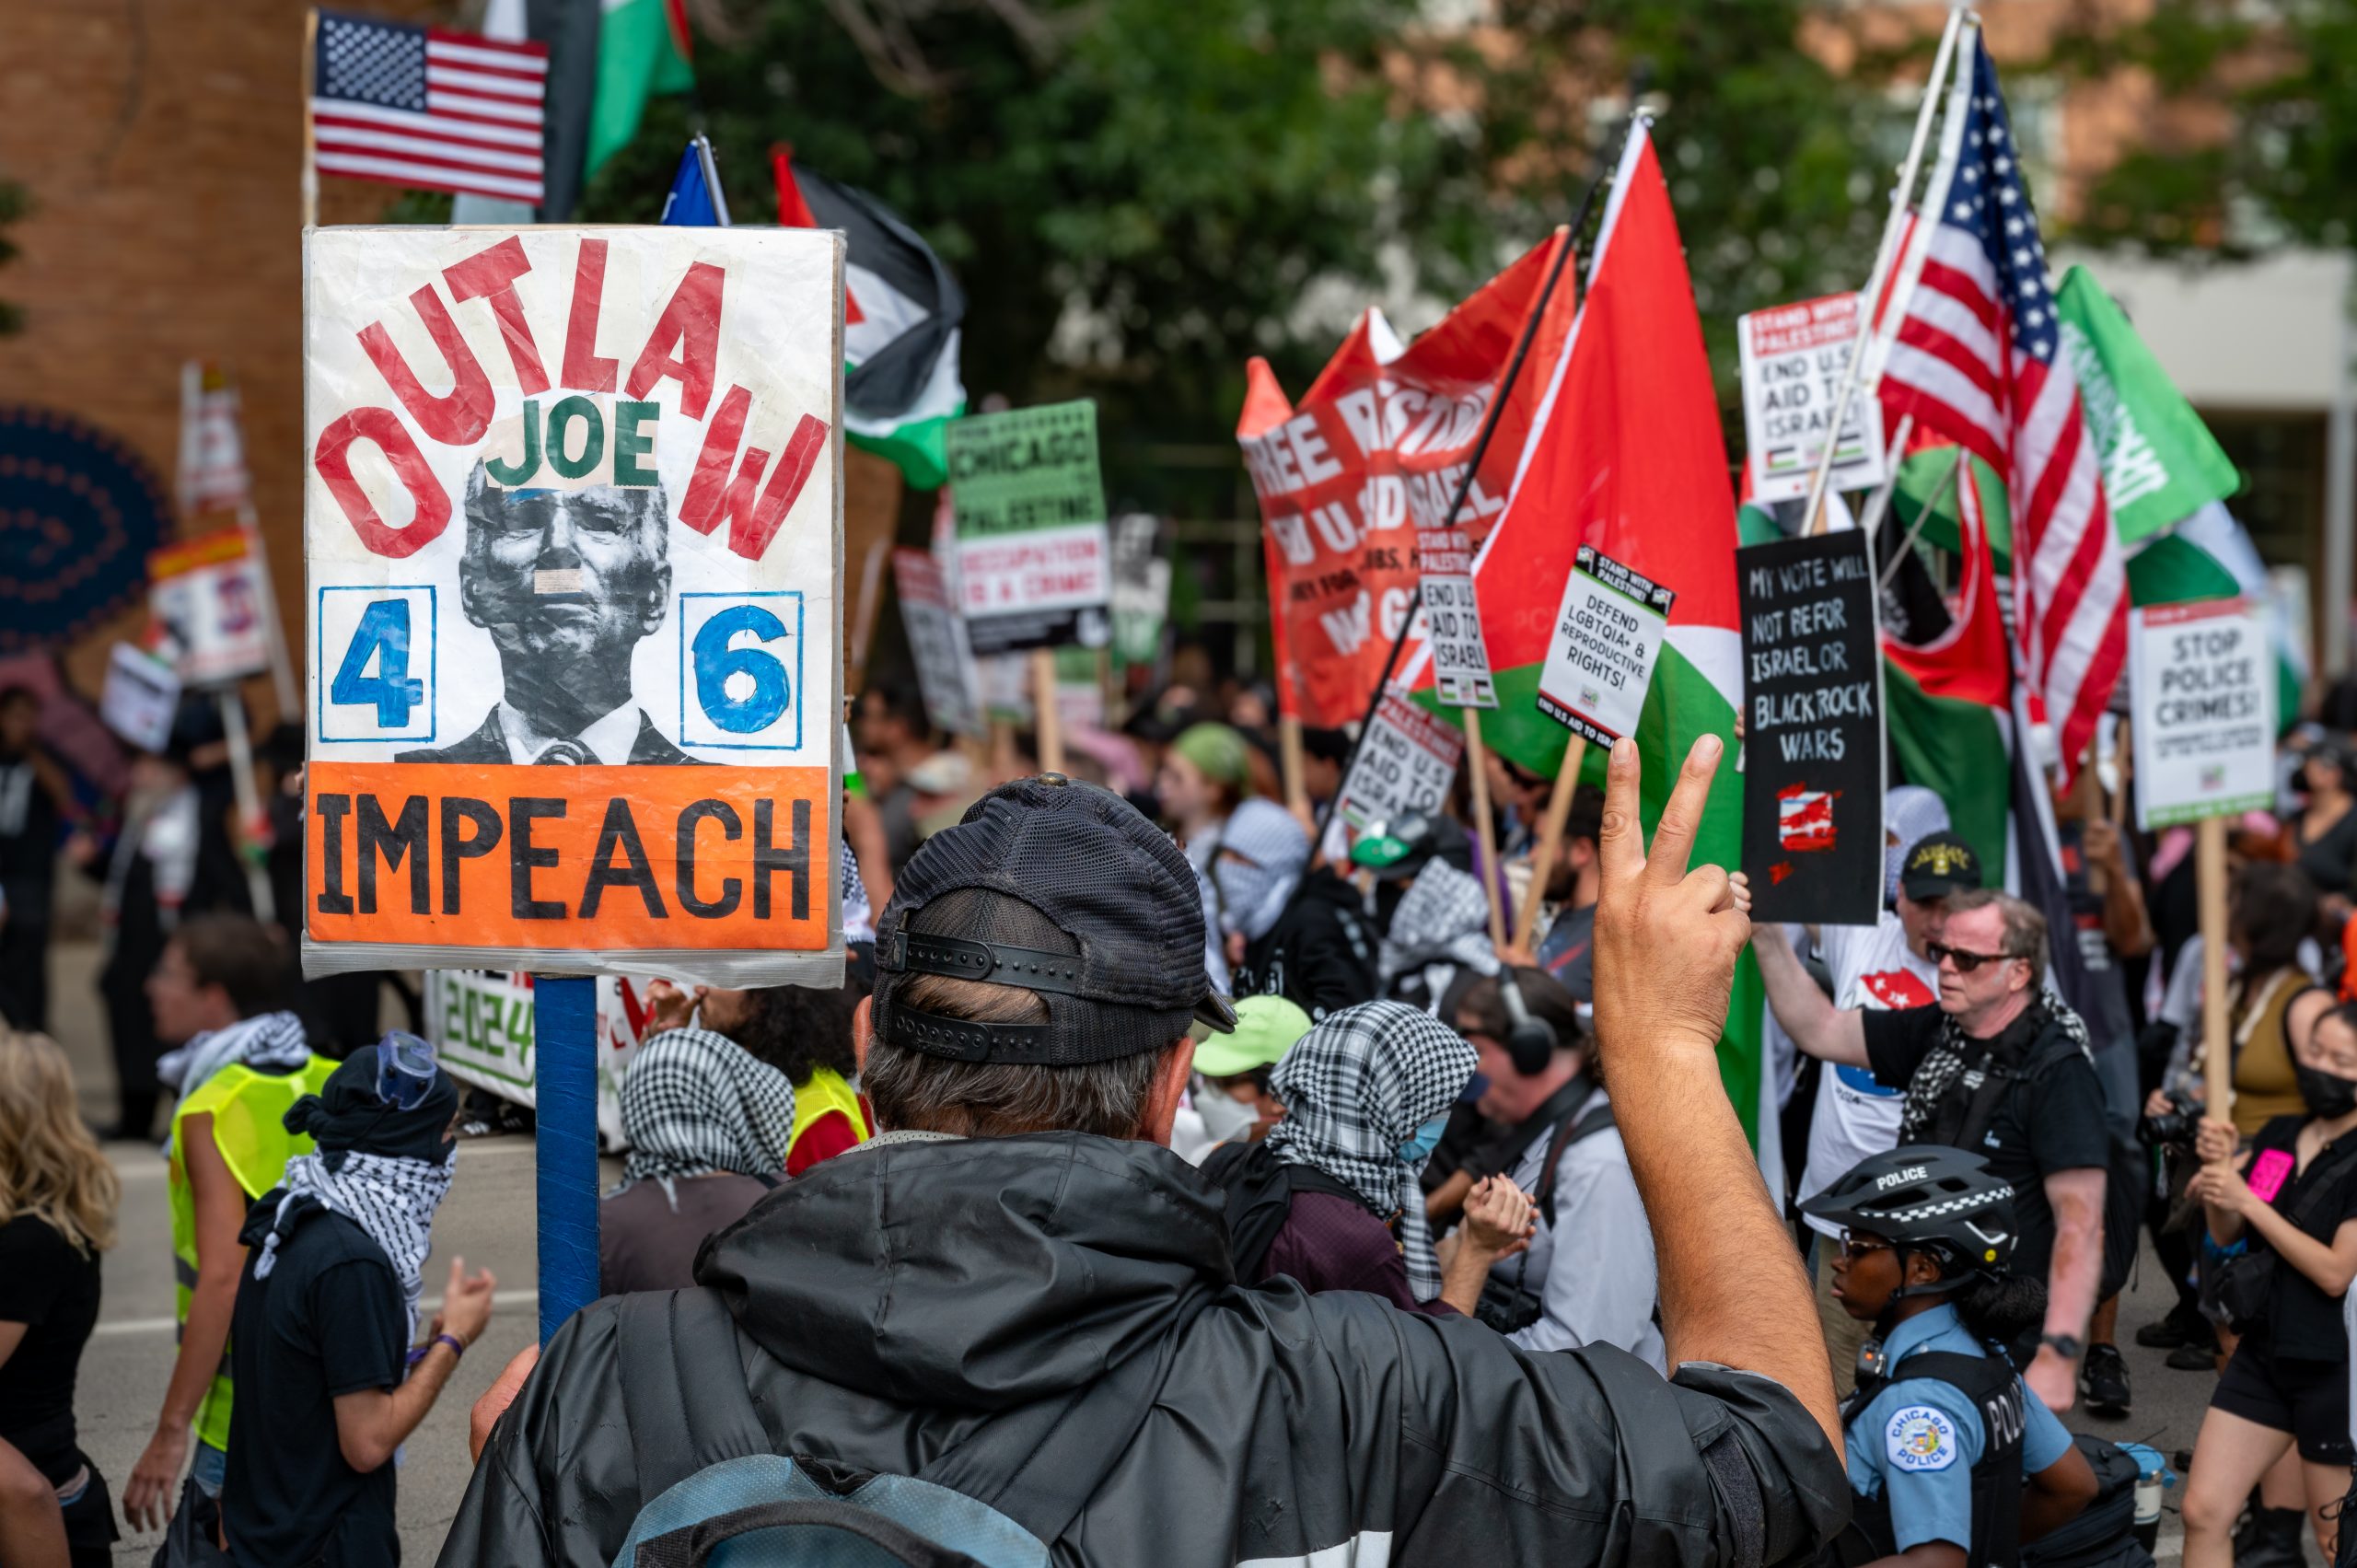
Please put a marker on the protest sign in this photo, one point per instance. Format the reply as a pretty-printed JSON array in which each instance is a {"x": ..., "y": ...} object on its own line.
[
  {"x": 2202, "y": 680},
  {"x": 612, "y": 547},
  {"x": 1608, "y": 631},
  {"x": 1813, "y": 740},
  {"x": 1375, "y": 452},
  {"x": 1405, "y": 763},
  {"x": 1453, "y": 620},
  {"x": 1034, "y": 558},
  {"x": 937, "y": 643},
  {"x": 1140, "y": 602},
  {"x": 139, "y": 698},
  {"x": 209, "y": 594},
  {"x": 482, "y": 1024},
  {"x": 1794, "y": 357}
]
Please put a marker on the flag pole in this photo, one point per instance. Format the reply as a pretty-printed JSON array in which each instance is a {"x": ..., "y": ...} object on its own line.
[
  {"x": 1550, "y": 838},
  {"x": 311, "y": 148},
  {"x": 1894, "y": 225},
  {"x": 1878, "y": 503},
  {"x": 1931, "y": 505},
  {"x": 1049, "y": 723},
  {"x": 1290, "y": 760},
  {"x": 1477, "y": 761}
]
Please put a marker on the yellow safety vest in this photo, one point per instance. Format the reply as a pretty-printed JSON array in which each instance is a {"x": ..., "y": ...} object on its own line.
[
  {"x": 827, "y": 1090},
  {"x": 248, "y": 1109}
]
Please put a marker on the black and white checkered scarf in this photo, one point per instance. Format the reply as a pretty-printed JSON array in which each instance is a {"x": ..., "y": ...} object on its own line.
[
  {"x": 1357, "y": 1087},
  {"x": 694, "y": 1102},
  {"x": 1947, "y": 1061},
  {"x": 1443, "y": 917},
  {"x": 392, "y": 1198}
]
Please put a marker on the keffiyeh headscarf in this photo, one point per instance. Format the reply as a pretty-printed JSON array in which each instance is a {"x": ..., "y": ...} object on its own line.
[
  {"x": 385, "y": 1169},
  {"x": 1254, "y": 890},
  {"x": 1909, "y": 813},
  {"x": 1354, "y": 1089},
  {"x": 1945, "y": 1063},
  {"x": 274, "y": 1040},
  {"x": 695, "y": 1102},
  {"x": 1443, "y": 917}
]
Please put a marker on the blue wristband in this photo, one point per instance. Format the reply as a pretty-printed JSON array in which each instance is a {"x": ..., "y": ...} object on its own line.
[{"x": 457, "y": 1350}]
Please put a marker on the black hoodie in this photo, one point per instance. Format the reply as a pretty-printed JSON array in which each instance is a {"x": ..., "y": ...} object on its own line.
[
  {"x": 889, "y": 1302},
  {"x": 1320, "y": 955}
]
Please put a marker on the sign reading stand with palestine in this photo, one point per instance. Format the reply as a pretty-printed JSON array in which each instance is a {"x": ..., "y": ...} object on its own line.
[
  {"x": 1813, "y": 738},
  {"x": 572, "y": 523},
  {"x": 1608, "y": 631},
  {"x": 1035, "y": 561},
  {"x": 2202, "y": 680},
  {"x": 1794, "y": 357},
  {"x": 1453, "y": 620},
  {"x": 1405, "y": 764}
]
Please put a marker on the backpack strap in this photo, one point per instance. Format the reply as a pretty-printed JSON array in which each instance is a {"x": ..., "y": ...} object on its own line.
[
  {"x": 691, "y": 1546},
  {"x": 1567, "y": 1132},
  {"x": 672, "y": 1346},
  {"x": 1065, "y": 1445}
]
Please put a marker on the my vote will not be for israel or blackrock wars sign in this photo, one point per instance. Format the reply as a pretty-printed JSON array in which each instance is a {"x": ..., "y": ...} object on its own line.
[{"x": 573, "y": 524}]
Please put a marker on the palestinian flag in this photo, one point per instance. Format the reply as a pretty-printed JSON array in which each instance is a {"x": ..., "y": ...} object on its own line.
[
  {"x": 901, "y": 311},
  {"x": 644, "y": 47},
  {"x": 1626, "y": 455}
]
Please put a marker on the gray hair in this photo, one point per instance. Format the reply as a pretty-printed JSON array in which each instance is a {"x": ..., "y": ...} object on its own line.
[
  {"x": 2024, "y": 926},
  {"x": 914, "y": 1091}
]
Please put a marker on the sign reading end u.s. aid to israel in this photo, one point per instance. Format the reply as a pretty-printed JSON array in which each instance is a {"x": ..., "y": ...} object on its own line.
[{"x": 572, "y": 516}]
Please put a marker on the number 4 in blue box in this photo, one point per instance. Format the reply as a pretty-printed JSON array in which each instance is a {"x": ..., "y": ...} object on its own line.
[{"x": 374, "y": 680}]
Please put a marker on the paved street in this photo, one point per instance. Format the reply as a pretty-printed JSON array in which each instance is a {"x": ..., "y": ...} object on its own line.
[{"x": 489, "y": 1221}]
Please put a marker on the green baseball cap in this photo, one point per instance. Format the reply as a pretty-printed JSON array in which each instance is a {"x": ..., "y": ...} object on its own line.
[{"x": 1266, "y": 1027}]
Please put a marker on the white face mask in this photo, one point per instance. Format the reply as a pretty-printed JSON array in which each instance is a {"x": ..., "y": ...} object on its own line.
[{"x": 1226, "y": 1119}]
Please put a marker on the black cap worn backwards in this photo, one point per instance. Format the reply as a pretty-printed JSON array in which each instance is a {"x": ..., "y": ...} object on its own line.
[
  {"x": 1936, "y": 865},
  {"x": 1062, "y": 889}
]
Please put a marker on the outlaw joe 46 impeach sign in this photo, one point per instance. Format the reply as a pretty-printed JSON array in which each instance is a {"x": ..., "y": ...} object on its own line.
[{"x": 573, "y": 519}]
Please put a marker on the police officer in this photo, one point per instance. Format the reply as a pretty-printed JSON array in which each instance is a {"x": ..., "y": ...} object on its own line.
[{"x": 1953, "y": 1464}]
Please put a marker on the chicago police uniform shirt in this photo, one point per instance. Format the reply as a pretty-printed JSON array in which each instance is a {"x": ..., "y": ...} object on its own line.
[{"x": 1917, "y": 1440}]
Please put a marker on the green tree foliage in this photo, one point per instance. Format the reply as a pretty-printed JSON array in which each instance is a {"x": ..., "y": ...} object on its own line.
[
  {"x": 1138, "y": 195},
  {"x": 2286, "y": 76}
]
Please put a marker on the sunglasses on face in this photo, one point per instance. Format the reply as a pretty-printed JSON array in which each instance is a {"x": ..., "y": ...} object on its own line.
[
  {"x": 1856, "y": 1247},
  {"x": 1965, "y": 963}
]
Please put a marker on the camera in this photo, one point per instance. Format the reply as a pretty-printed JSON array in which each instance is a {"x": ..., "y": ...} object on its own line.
[{"x": 2175, "y": 1125}]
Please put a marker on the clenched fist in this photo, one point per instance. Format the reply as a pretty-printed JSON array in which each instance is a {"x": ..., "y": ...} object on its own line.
[{"x": 1667, "y": 938}]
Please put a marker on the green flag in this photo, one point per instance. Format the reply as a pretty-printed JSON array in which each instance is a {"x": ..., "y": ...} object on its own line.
[
  {"x": 2159, "y": 462},
  {"x": 642, "y": 50}
]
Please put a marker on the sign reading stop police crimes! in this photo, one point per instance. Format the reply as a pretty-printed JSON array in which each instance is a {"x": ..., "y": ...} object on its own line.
[
  {"x": 573, "y": 526},
  {"x": 1035, "y": 559},
  {"x": 1812, "y": 737},
  {"x": 1608, "y": 633},
  {"x": 2202, "y": 677}
]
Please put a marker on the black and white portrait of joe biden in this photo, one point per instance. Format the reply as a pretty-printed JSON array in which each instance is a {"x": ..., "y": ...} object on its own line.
[{"x": 568, "y": 581}]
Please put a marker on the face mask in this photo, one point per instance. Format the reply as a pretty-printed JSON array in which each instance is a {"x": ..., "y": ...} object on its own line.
[
  {"x": 1226, "y": 1119},
  {"x": 1419, "y": 1143},
  {"x": 2326, "y": 1094}
]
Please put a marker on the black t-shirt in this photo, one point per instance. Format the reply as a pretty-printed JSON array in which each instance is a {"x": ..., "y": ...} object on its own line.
[
  {"x": 2049, "y": 1122},
  {"x": 53, "y": 1289},
  {"x": 329, "y": 1320},
  {"x": 2303, "y": 1321}
]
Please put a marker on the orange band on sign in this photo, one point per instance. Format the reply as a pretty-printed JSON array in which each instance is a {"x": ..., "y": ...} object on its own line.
[{"x": 470, "y": 855}]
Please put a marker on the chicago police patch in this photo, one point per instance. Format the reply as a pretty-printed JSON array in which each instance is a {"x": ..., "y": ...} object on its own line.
[{"x": 1920, "y": 1438}]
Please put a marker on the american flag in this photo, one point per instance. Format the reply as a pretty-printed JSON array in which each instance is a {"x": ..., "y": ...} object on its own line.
[
  {"x": 1976, "y": 360},
  {"x": 426, "y": 107}
]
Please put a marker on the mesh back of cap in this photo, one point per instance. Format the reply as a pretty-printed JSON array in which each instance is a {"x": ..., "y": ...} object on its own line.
[{"x": 981, "y": 915}]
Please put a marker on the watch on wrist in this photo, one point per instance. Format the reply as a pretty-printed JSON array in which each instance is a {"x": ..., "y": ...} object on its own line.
[{"x": 2067, "y": 1346}]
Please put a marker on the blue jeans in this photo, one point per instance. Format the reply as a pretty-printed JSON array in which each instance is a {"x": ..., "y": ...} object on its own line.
[{"x": 211, "y": 1469}]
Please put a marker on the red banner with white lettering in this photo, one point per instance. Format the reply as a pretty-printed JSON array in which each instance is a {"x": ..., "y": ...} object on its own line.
[{"x": 1374, "y": 453}]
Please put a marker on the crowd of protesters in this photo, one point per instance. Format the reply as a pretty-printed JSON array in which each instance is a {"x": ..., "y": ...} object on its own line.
[{"x": 919, "y": 1227}]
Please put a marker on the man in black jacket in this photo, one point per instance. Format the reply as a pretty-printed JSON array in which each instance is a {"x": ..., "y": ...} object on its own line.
[
  {"x": 1018, "y": 1234},
  {"x": 1320, "y": 953}
]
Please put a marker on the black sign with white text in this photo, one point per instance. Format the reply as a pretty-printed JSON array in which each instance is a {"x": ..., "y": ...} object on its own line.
[{"x": 1813, "y": 738}]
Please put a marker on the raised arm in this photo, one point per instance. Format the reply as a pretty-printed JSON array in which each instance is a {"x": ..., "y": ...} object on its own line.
[
  {"x": 1666, "y": 941},
  {"x": 1808, "y": 1015}
]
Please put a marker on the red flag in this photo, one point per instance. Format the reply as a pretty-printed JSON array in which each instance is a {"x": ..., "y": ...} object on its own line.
[{"x": 1374, "y": 451}]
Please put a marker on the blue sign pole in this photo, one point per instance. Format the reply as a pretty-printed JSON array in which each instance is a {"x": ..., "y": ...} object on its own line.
[{"x": 565, "y": 1070}]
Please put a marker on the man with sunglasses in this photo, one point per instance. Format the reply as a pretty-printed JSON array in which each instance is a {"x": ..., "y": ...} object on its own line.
[{"x": 1999, "y": 1067}]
